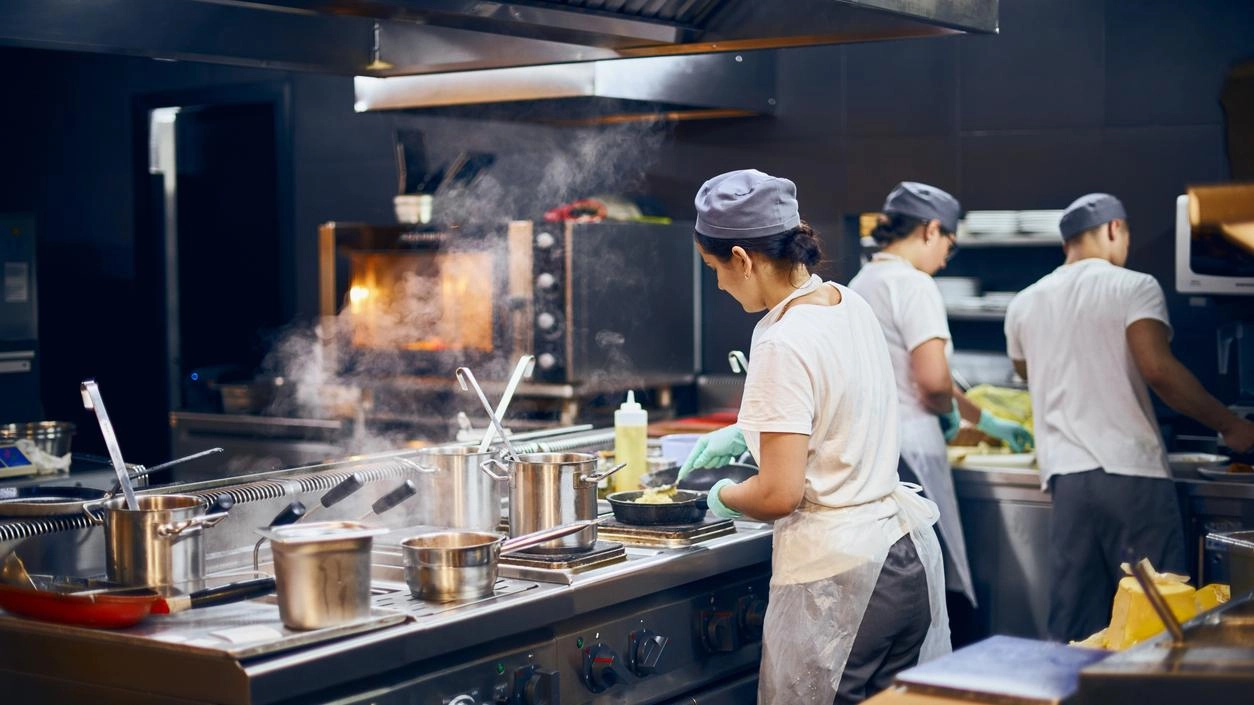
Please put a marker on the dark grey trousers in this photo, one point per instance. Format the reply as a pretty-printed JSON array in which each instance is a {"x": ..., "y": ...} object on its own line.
[
  {"x": 892, "y": 630},
  {"x": 1098, "y": 521}
]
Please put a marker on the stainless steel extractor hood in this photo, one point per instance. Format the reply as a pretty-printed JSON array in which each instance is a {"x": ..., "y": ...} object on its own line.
[{"x": 407, "y": 37}]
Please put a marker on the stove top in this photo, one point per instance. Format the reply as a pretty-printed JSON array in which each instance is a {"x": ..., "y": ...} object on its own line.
[
  {"x": 560, "y": 567},
  {"x": 401, "y": 599},
  {"x": 666, "y": 535}
]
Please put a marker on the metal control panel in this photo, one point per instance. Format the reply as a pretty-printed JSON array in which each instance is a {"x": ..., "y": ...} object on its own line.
[
  {"x": 656, "y": 649},
  {"x": 524, "y": 676}
]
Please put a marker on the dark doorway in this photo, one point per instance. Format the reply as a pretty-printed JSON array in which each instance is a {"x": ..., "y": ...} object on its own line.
[{"x": 214, "y": 244}]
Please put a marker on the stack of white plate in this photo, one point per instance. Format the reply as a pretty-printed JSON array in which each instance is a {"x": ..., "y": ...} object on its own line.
[
  {"x": 1039, "y": 222},
  {"x": 997, "y": 300},
  {"x": 985, "y": 223},
  {"x": 957, "y": 287}
]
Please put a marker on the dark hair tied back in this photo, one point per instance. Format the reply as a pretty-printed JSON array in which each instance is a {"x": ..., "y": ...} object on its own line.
[
  {"x": 895, "y": 226},
  {"x": 797, "y": 246}
]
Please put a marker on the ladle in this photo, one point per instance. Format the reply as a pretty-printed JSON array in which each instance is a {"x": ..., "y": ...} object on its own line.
[
  {"x": 463, "y": 376},
  {"x": 739, "y": 364},
  {"x": 526, "y": 365},
  {"x": 92, "y": 400}
]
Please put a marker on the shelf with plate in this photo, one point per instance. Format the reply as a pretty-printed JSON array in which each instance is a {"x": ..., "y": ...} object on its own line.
[
  {"x": 968, "y": 241},
  {"x": 960, "y": 315}
]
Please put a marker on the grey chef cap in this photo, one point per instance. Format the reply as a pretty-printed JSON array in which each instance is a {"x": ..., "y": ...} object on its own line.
[
  {"x": 926, "y": 202},
  {"x": 1088, "y": 212},
  {"x": 746, "y": 204}
]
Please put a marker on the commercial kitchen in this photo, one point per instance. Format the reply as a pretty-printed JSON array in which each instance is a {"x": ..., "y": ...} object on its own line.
[{"x": 341, "y": 340}]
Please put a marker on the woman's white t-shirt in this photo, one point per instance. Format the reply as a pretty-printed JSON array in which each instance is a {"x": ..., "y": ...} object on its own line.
[
  {"x": 909, "y": 307},
  {"x": 1090, "y": 406},
  {"x": 824, "y": 371}
]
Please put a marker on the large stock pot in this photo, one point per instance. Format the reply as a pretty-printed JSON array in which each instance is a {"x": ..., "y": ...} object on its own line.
[
  {"x": 458, "y": 494},
  {"x": 550, "y": 489}
]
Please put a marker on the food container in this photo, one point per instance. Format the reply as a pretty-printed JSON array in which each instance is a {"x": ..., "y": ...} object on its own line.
[
  {"x": 547, "y": 490},
  {"x": 157, "y": 545},
  {"x": 678, "y": 446},
  {"x": 322, "y": 572},
  {"x": 462, "y": 565},
  {"x": 52, "y": 437}
]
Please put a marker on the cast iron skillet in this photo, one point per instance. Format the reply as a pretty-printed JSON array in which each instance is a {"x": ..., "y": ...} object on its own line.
[
  {"x": 700, "y": 478},
  {"x": 685, "y": 507}
]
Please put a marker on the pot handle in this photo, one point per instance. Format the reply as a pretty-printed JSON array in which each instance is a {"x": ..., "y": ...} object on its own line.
[
  {"x": 504, "y": 474},
  {"x": 89, "y": 507},
  {"x": 178, "y": 527},
  {"x": 598, "y": 476},
  {"x": 518, "y": 543}
]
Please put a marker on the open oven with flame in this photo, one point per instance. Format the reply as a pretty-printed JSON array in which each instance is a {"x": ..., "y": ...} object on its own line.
[{"x": 589, "y": 300}]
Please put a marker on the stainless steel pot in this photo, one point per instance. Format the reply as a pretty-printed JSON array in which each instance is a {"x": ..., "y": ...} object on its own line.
[
  {"x": 550, "y": 489},
  {"x": 322, "y": 572},
  {"x": 458, "y": 494},
  {"x": 159, "y": 544},
  {"x": 462, "y": 565}
]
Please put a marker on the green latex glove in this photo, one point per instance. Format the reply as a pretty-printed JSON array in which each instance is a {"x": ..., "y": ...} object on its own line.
[
  {"x": 719, "y": 509},
  {"x": 714, "y": 450},
  {"x": 1012, "y": 434},
  {"x": 950, "y": 422}
]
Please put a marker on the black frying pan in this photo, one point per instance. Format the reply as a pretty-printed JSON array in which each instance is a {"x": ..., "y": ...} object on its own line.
[
  {"x": 700, "y": 478},
  {"x": 685, "y": 507}
]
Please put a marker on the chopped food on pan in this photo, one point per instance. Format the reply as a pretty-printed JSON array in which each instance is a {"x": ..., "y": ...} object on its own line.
[{"x": 656, "y": 495}]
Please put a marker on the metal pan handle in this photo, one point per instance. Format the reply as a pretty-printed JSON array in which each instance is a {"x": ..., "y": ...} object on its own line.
[
  {"x": 503, "y": 475},
  {"x": 518, "y": 543},
  {"x": 178, "y": 527},
  {"x": 89, "y": 510},
  {"x": 598, "y": 476}
]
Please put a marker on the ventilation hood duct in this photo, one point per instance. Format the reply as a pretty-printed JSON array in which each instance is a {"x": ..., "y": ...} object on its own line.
[{"x": 406, "y": 37}]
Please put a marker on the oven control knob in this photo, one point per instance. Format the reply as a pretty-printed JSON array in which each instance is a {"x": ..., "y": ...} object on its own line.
[
  {"x": 751, "y": 611},
  {"x": 545, "y": 240},
  {"x": 645, "y": 651},
  {"x": 534, "y": 686},
  {"x": 546, "y": 361},
  {"x": 599, "y": 673},
  {"x": 719, "y": 631},
  {"x": 546, "y": 321},
  {"x": 546, "y": 280}
]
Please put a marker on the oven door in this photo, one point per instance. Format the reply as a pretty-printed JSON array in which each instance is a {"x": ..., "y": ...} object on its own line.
[{"x": 737, "y": 690}]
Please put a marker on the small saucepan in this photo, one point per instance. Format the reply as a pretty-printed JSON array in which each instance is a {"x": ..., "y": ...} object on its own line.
[
  {"x": 685, "y": 507},
  {"x": 461, "y": 565}
]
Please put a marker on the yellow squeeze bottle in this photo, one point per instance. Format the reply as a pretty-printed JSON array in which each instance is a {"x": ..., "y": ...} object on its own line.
[{"x": 631, "y": 444}]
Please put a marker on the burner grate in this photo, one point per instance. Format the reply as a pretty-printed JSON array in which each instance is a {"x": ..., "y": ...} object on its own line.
[
  {"x": 666, "y": 535},
  {"x": 404, "y": 601}
]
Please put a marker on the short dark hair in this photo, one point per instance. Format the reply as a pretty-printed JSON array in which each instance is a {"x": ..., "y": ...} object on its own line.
[
  {"x": 797, "y": 246},
  {"x": 895, "y": 226}
]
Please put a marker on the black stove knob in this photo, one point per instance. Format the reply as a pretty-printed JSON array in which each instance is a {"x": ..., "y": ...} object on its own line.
[
  {"x": 645, "y": 651},
  {"x": 751, "y": 611},
  {"x": 534, "y": 686},
  {"x": 599, "y": 672},
  {"x": 719, "y": 631}
]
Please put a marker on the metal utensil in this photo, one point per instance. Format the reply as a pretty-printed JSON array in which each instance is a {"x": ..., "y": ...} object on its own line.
[
  {"x": 392, "y": 499},
  {"x": 739, "y": 364},
  {"x": 525, "y": 367},
  {"x": 92, "y": 400},
  {"x": 1142, "y": 571},
  {"x": 290, "y": 514},
  {"x": 464, "y": 375},
  {"x": 138, "y": 471}
]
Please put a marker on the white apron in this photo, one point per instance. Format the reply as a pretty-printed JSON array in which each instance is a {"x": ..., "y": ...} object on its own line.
[
  {"x": 923, "y": 449},
  {"x": 823, "y": 570}
]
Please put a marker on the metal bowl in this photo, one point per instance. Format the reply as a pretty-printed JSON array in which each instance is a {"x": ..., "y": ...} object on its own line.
[
  {"x": 451, "y": 565},
  {"x": 52, "y": 437}
]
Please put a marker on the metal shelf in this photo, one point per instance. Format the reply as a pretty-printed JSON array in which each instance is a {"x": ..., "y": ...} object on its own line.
[
  {"x": 969, "y": 242},
  {"x": 976, "y": 315}
]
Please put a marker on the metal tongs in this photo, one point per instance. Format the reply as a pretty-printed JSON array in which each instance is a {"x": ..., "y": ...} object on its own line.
[{"x": 465, "y": 376}]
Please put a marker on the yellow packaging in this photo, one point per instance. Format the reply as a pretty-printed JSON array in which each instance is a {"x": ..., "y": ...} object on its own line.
[{"x": 1132, "y": 618}]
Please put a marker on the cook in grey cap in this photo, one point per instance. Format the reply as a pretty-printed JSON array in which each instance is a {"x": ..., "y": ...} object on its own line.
[
  {"x": 924, "y": 202},
  {"x": 1088, "y": 212},
  {"x": 746, "y": 204}
]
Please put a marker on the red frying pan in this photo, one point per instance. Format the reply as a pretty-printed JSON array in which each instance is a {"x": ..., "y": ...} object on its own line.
[{"x": 120, "y": 608}]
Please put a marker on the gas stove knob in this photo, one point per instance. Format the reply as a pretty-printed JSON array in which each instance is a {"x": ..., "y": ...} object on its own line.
[
  {"x": 462, "y": 700},
  {"x": 546, "y": 321},
  {"x": 545, "y": 240},
  {"x": 646, "y": 650},
  {"x": 546, "y": 280},
  {"x": 534, "y": 686},
  {"x": 719, "y": 631},
  {"x": 546, "y": 361},
  {"x": 751, "y": 611},
  {"x": 599, "y": 673}
]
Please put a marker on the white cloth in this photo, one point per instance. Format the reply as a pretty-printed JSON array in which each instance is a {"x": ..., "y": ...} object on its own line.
[
  {"x": 908, "y": 305},
  {"x": 823, "y": 371},
  {"x": 1090, "y": 405}
]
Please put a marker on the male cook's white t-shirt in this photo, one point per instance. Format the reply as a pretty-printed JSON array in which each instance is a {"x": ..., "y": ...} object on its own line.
[
  {"x": 1090, "y": 406},
  {"x": 909, "y": 307},
  {"x": 824, "y": 371}
]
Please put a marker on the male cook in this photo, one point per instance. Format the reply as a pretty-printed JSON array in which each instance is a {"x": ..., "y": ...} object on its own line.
[{"x": 1089, "y": 337}]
